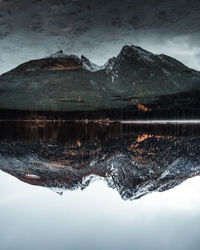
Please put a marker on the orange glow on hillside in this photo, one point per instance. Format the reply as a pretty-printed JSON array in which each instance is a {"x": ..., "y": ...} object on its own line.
[{"x": 143, "y": 108}]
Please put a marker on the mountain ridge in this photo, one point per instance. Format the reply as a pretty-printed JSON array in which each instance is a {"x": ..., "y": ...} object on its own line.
[
  {"x": 62, "y": 82},
  {"x": 127, "y": 51}
]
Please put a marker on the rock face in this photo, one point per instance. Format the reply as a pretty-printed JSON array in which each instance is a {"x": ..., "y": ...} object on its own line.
[
  {"x": 134, "y": 161},
  {"x": 69, "y": 83},
  {"x": 150, "y": 74}
]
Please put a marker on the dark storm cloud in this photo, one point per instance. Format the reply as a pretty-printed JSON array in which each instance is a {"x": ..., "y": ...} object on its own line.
[{"x": 54, "y": 16}]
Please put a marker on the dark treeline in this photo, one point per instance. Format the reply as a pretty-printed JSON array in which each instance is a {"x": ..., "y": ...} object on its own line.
[
  {"x": 76, "y": 133},
  {"x": 113, "y": 114}
]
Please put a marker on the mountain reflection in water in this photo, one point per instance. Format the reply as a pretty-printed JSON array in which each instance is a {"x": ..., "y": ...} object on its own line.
[{"x": 133, "y": 159}]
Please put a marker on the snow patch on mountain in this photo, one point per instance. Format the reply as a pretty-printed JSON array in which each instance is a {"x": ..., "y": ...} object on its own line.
[
  {"x": 58, "y": 54},
  {"x": 88, "y": 65}
]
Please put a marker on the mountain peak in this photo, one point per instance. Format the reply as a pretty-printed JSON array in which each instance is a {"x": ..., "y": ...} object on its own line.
[
  {"x": 136, "y": 51},
  {"x": 57, "y": 54},
  {"x": 134, "y": 76}
]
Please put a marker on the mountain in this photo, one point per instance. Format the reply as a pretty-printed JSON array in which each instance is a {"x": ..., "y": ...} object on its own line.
[
  {"x": 136, "y": 78},
  {"x": 34, "y": 28},
  {"x": 133, "y": 160}
]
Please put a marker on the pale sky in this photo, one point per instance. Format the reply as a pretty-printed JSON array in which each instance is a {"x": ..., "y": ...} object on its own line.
[{"x": 97, "y": 218}]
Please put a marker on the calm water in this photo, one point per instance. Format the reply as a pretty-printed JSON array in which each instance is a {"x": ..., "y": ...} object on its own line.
[{"x": 90, "y": 186}]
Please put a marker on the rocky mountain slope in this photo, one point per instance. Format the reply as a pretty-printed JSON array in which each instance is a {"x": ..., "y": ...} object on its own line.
[{"x": 68, "y": 83}]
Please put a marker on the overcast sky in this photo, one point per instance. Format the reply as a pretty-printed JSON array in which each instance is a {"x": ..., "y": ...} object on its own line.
[{"x": 97, "y": 218}]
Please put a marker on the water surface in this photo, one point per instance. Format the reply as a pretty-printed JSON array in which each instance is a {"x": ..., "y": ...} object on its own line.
[{"x": 99, "y": 186}]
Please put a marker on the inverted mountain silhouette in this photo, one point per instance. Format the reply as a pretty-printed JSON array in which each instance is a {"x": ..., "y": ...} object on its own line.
[{"x": 135, "y": 161}]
